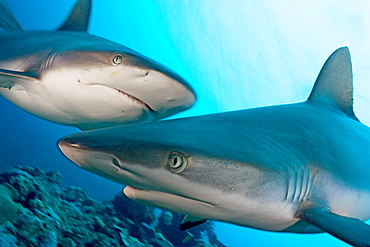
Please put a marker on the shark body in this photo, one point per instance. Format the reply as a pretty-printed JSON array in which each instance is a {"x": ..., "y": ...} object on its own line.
[
  {"x": 74, "y": 78},
  {"x": 300, "y": 167}
]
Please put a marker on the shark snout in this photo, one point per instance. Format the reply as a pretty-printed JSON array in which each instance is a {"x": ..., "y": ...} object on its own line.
[
  {"x": 161, "y": 89},
  {"x": 92, "y": 155},
  {"x": 74, "y": 151},
  {"x": 89, "y": 158}
]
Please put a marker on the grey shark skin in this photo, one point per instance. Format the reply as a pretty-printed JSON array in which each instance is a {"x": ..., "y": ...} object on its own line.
[
  {"x": 300, "y": 167},
  {"x": 74, "y": 78}
]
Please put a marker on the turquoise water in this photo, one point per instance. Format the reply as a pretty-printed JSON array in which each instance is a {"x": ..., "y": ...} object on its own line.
[{"x": 236, "y": 54}]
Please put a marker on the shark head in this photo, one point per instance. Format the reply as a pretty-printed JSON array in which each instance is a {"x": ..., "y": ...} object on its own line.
[
  {"x": 169, "y": 168},
  {"x": 111, "y": 83},
  {"x": 75, "y": 78}
]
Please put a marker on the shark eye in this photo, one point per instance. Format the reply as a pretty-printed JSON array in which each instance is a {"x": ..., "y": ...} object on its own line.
[
  {"x": 117, "y": 59},
  {"x": 176, "y": 162}
]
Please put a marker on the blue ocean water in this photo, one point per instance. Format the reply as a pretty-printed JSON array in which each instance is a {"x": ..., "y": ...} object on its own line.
[{"x": 236, "y": 54}]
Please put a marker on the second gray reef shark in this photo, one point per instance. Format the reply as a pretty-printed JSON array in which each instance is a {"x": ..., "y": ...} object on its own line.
[
  {"x": 74, "y": 78},
  {"x": 302, "y": 167}
]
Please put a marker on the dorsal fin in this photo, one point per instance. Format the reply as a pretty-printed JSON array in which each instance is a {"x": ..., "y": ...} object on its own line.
[
  {"x": 334, "y": 86},
  {"x": 78, "y": 19},
  {"x": 7, "y": 19}
]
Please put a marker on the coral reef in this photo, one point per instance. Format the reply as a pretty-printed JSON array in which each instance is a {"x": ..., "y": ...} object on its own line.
[
  {"x": 36, "y": 211},
  {"x": 8, "y": 208}
]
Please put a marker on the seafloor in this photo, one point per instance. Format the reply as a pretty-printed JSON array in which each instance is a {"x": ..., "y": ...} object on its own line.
[{"x": 36, "y": 211}]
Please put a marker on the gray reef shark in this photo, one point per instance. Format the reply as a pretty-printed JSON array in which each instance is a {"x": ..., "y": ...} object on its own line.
[
  {"x": 74, "y": 78},
  {"x": 302, "y": 167}
]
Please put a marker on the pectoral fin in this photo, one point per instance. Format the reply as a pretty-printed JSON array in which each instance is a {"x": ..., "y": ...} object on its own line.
[
  {"x": 352, "y": 231},
  {"x": 8, "y": 77},
  {"x": 190, "y": 221}
]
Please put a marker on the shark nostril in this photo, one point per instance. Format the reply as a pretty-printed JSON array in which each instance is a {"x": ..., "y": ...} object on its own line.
[{"x": 116, "y": 163}]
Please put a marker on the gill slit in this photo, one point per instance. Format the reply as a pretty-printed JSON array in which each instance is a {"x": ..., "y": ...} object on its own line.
[
  {"x": 49, "y": 60},
  {"x": 299, "y": 184}
]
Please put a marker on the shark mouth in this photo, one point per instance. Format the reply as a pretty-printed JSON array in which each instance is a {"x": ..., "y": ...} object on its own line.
[
  {"x": 130, "y": 96},
  {"x": 139, "y": 190},
  {"x": 167, "y": 201},
  {"x": 137, "y": 100}
]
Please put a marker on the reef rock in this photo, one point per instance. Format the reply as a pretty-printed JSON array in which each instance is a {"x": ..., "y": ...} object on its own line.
[
  {"x": 8, "y": 208},
  {"x": 36, "y": 211}
]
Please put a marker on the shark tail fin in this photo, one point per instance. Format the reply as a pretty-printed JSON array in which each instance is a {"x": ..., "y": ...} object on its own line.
[
  {"x": 78, "y": 19},
  {"x": 334, "y": 85},
  {"x": 7, "y": 19}
]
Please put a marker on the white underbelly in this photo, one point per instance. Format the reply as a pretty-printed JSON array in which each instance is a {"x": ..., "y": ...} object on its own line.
[{"x": 76, "y": 104}]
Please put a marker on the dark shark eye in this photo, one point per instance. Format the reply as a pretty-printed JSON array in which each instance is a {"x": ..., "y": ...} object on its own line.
[
  {"x": 117, "y": 59},
  {"x": 176, "y": 162}
]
